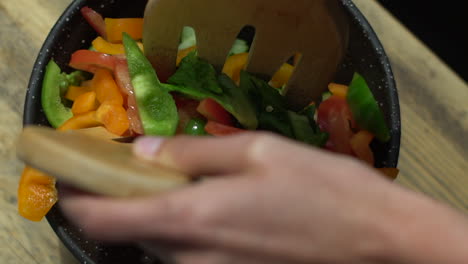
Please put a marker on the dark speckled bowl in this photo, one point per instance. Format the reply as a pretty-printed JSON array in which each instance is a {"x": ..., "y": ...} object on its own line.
[{"x": 71, "y": 32}]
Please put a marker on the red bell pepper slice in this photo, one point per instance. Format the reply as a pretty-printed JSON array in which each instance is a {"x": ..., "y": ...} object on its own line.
[
  {"x": 122, "y": 78},
  {"x": 335, "y": 118},
  {"x": 217, "y": 129},
  {"x": 91, "y": 61},
  {"x": 211, "y": 110},
  {"x": 95, "y": 20}
]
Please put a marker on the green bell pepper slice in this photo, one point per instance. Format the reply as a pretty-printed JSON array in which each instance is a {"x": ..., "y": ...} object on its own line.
[
  {"x": 54, "y": 87},
  {"x": 157, "y": 108},
  {"x": 365, "y": 109}
]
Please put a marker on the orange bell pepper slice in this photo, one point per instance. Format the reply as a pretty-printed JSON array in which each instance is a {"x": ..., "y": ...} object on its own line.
[
  {"x": 85, "y": 103},
  {"x": 104, "y": 46},
  {"x": 106, "y": 88},
  {"x": 360, "y": 146},
  {"x": 116, "y": 26},
  {"x": 74, "y": 91},
  {"x": 36, "y": 194},
  {"x": 234, "y": 65},
  {"x": 181, "y": 54},
  {"x": 282, "y": 76},
  {"x": 338, "y": 89},
  {"x": 79, "y": 121},
  {"x": 113, "y": 117}
]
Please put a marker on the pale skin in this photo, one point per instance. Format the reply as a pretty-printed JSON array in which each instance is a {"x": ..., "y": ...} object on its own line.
[{"x": 269, "y": 200}]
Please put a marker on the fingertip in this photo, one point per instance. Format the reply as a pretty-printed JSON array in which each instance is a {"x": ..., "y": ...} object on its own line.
[{"x": 147, "y": 147}]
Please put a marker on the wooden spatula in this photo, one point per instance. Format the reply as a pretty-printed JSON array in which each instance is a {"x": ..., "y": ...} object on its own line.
[
  {"x": 318, "y": 29},
  {"x": 91, "y": 161}
]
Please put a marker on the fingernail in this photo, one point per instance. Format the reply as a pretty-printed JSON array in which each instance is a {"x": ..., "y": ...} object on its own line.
[{"x": 147, "y": 146}]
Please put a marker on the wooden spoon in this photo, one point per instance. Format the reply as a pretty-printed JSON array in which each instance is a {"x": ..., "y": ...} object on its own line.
[
  {"x": 318, "y": 29},
  {"x": 93, "y": 162}
]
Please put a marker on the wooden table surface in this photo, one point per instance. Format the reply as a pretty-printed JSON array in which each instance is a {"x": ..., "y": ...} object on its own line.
[{"x": 434, "y": 110}]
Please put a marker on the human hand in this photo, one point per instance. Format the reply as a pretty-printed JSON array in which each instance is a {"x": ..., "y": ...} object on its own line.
[{"x": 264, "y": 200}]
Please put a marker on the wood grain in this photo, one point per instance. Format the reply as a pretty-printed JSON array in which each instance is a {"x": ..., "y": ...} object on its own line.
[{"x": 434, "y": 151}]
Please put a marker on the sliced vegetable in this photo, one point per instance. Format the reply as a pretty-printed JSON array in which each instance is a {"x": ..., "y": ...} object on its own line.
[
  {"x": 116, "y": 26},
  {"x": 95, "y": 20},
  {"x": 85, "y": 103},
  {"x": 234, "y": 65},
  {"x": 211, "y": 110},
  {"x": 101, "y": 45},
  {"x": 338, "y": 89},
  {"x": 217, "y": 129},
  {"x": 334, "y": 117},
  {"x": 74, "y": 91},
  {"x": 106, "y": 88},
  {"x": 113, "y": 117},
  {"x": 360, "y": 146},
  {"x": 80, "y": 121},
  {"x": 53, "y": 87},
  {"x": 36, "y": 194},
  {"x": 195, "y": 127},
  {"x": 365, "y": 109},
  {"x": 122, "y": 78},
  {"x": 91, "y": 61},
  {"x": 157, "y": 109},
  {"x": 282, "y": 76}
]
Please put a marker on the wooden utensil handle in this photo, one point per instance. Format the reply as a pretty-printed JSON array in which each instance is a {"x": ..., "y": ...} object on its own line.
[{"x": 93, "y": 164}]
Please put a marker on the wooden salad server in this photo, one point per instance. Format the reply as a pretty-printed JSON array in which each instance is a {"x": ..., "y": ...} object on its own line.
[
  {"x": 317, "y": 29},
  {"x": 90, "y": 160}
]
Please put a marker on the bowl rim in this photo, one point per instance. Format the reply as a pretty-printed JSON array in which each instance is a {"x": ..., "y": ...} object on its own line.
[{"x": 44, "y": 56}]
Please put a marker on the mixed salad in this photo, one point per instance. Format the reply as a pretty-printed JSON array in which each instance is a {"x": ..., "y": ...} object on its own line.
[{"x": 115, "y": 87}]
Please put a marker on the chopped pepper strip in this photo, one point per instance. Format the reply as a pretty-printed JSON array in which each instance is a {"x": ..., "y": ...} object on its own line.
[
  {"x": 282, "y": 76},
  {"x": 116, "y": 26},
  {"x": 95, "y": 20},
  {"x": 365, "y": 109},
  {"x": 85, "y": 103},
  {"x": 211, "y": 110},
  {"x": 91, "y": 61},
  {"x": 106, "y": 88},
  {"x": 104, "y": 46},
  {"x": 36, "y": 194},
  {"x": 360, "y": 146},
  {"x": 217, "y": 129},
  {"x": 53, "y": 87},
  {"x": 74, "y": 91},
  {"x": 234, "y": 65},
  {"x": 85, "y": 120},
  {"x": 156, "y": 107},
  {"x": 338, "y": 89},
  {"x": 113, "y": 117}
]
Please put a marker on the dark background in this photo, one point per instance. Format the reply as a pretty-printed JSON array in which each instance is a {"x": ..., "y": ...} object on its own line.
[{"x": 441, "y": 25}]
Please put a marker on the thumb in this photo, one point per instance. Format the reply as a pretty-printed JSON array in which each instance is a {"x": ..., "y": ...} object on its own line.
[{"x": 202, "y": 156}]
